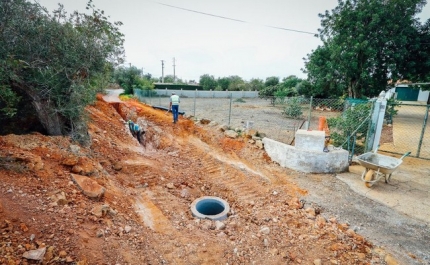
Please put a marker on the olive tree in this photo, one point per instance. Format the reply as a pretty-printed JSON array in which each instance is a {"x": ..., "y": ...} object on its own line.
[
  {"x": 55, "y": 61},
  {"x": 365, "y": 44}
]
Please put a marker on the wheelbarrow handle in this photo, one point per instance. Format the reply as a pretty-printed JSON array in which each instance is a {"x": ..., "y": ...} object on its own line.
[{"x": 405, "y": 155}]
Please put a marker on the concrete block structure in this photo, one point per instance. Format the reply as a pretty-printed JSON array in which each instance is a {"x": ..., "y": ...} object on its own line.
[
  {"x": 310, "y": 140},
  {"x": 309, "y": 157}
]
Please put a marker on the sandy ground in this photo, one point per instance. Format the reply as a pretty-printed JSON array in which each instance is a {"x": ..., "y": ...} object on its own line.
[{"x": 135, "y": 205}]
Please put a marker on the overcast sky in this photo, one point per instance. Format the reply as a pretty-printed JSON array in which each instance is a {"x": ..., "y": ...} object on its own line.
[{"x": 207, "y": 44}]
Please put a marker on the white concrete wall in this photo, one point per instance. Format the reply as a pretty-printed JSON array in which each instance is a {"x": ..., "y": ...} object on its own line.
[
  {"x": 306, "y": 161},
  {"x": 423, "y": 95},
  {"x": 208, "y": 94}
]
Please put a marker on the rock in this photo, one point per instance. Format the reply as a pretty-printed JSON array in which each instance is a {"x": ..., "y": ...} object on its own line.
[
  {"x": 59, "y": 198},
  {"x": 223, "y": 128},
  {"x": 221, "y": 234},
  {"x": 213, "y": 123},
  {"x": 379, "y": 251},
  {"x": 75, "y": 149},
  {"x": 49, "y": 254},
  {"x": 170, "y": 185},
  {"x": 230, "y": 134},
  {"x": 185, "y": 193},
  {"x": 295, "y": 203},
  {"x": 320, "y": 221},
  {"x": 262, "y": 135},
  {"x": 88, "y": 186},
  {"x": 207, "y": 225},
  {"x": 219, "y": 225},
  {"x": 317, "y": 262},
  {"x": 350, "y": 232},
  {"x": 117, "y": 166},
  {"x": 251, "y": 132},
  {"x": 36, "y": 254},
  {"x": 62, "y": 254},
  {"x": 24, "y": 228},
  {"x": 100, "y": 233},
  {"x": 361, "y": 256},
  {"x": 205, "y": 121},
  {"x": 127, "y": 229},
  {"x": 86, "y": 167},
  {"x": 70, "y": 161},
  {"x": 102, "y": 210},
  {"x": 259, "y": 144},
  {"x": 390, "y": 260},
  {"x": 77, "y": 169},
  {"x": 266, "y": 242},
  {"x": 69, "y": 259},
  {"x": 265, "y": 230}
]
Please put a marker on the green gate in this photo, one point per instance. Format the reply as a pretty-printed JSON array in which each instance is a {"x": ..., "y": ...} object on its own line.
[{"x": 407, "y": 94}]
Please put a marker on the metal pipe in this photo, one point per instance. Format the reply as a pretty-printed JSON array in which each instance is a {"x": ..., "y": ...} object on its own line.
[{"x": 229, "y": 112}]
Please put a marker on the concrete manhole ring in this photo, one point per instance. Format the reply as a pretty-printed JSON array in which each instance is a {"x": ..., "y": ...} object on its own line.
[{"x": 210, "y": 207}]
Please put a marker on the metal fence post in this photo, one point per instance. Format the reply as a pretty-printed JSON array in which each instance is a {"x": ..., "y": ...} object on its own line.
[
  {"x": 370, "y": 130},
  {"x": 423, "y": 131},
  {"x": 195, "y": 94},
  {"x": 229, "y": 112},
  {"x": 310, "y": 114},
  {"x": 371, "y": 141}
]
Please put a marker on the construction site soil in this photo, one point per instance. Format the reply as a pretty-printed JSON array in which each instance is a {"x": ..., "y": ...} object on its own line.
[{"x": 135, "y": 207}]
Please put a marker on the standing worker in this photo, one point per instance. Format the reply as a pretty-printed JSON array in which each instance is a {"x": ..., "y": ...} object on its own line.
[{"x": 174, "y": 106}]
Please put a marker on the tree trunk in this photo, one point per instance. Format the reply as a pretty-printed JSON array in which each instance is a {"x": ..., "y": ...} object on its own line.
[
  {"x": 47, "y": 116},
  {"x": 45, "y": 110}
]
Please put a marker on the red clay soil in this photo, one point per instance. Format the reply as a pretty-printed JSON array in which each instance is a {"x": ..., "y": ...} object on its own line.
[{"x": 144, "y": 214}]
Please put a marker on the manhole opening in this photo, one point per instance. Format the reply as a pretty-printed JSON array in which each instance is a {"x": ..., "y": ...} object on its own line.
[{"x": 210, "y": 207}]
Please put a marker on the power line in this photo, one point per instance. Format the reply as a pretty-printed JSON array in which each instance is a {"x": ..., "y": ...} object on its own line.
[{"x": 233, "y": 19}]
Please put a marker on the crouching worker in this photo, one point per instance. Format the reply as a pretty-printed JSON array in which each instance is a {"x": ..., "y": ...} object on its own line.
[
  {"x": 139, "y": 132},
  {"x": 131, "y": 127}
]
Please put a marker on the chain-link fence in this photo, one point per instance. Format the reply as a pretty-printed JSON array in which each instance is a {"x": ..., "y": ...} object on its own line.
[
  {"x": 406, "y": 126},
  {"x": 347, "y": 119},
  {"x": 279, "y": 118},
  {"x": 407, "y": 130}
]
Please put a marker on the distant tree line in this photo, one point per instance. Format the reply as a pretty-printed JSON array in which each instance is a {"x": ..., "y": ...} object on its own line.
[{"x": 53, "y": 65}]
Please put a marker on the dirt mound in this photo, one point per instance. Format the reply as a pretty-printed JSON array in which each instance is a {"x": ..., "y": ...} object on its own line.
[{"x": 141, "y": 213}]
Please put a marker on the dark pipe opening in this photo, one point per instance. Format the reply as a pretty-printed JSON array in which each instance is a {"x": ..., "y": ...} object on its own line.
[{"x": 209, "y": 207}]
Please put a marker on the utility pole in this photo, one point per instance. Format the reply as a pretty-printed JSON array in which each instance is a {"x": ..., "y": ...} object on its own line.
[
  {"x": 174, "y": 76},
  {"x": 162, "y": 71}
]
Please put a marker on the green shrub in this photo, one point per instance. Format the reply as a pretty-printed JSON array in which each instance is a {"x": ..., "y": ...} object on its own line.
[{"x": 293, "y": 108}]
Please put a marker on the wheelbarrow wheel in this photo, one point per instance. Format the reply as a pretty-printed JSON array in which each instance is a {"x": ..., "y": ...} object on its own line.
[
  {"x": 387, "y": 179},
  {"x": 369, "y": 177}
]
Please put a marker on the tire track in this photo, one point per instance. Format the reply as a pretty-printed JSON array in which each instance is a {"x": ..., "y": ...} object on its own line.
[{"x": 228, "y": 176}]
